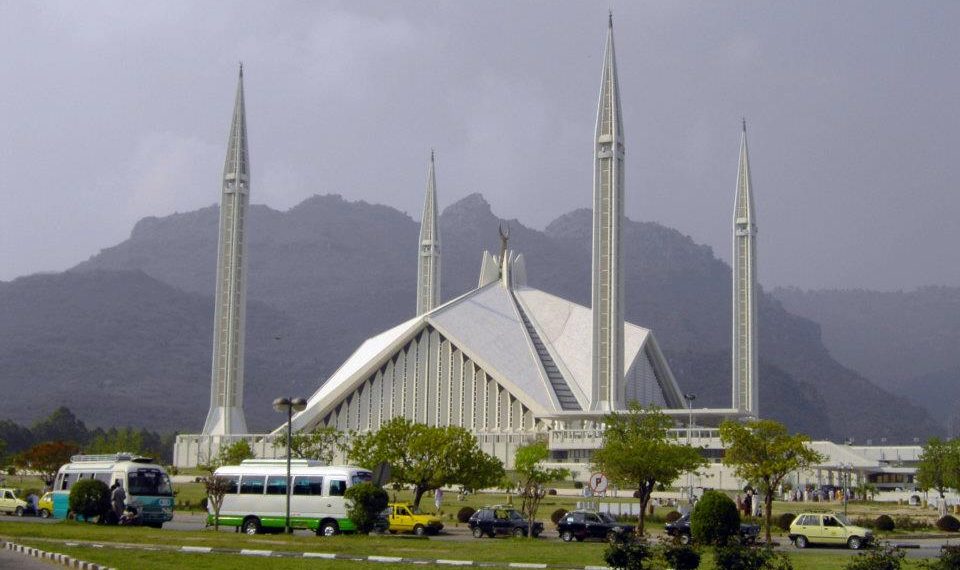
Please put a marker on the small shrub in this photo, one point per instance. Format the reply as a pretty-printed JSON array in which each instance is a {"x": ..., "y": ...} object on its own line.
[
  {"x": 734, "y": 555},
  {"x": 949, "y": 559},
  {"x": 884, "y": 523},
  {"x": 578, "y": 484},
  {"x": 715, "y": 519},
  {"x": 680, "y": 556},
  {"x": 948, "y": 523},
  {"x": 203, "y": 504},
  {"x": 885, "y": 557},
  {"x": 865, "y": 522},
  {"x": 628, "y": 553},
  {"x": 672, "y": 516},
  {"x": 366, "y": 502},
  {"x": 785, "y": 520},
  {"x": 90, "y": 498},
  {"x": 910, "y": 523},
  {"x": 556, "y": 515},
  {"x": 551, "y": 491},
  {"x": 636, "y": 494},
  {"x": 464, "y": 514}
]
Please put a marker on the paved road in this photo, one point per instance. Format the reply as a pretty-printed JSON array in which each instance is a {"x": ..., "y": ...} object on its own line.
[{"x": 10, "y": 560}]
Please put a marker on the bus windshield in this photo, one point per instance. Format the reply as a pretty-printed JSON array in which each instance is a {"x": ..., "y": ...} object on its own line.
[{"x": 149, "y": 482}]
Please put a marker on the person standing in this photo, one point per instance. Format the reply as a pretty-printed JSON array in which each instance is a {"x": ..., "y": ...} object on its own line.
[{"x": 118, "y": 498}]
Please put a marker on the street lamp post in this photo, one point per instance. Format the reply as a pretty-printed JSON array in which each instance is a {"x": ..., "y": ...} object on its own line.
[
  {"x": 690, "y": 397},
  {"x": 289, "y": 405}
]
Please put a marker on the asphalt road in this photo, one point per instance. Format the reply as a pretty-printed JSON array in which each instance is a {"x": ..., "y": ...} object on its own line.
[{"x": 10, "y": 560}]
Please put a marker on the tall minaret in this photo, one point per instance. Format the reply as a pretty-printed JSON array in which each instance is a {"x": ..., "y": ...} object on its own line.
[
  {"x": 226, "y": 394},
  {"x": 428, "y": 268},
  {"x": 607, "y": 240},
  {"x": 744, "y": 288}
]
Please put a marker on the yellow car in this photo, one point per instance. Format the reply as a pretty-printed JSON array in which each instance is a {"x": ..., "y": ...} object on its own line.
[
  {"x": 45, "y": 506},
  {"x": 828, "y": 528},
  {"x": 404, "y": 518}
]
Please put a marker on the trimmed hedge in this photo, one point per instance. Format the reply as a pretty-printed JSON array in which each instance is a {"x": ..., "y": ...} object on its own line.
[
  {"x": 672, "y": 516},
  {"x": 884, "y": 523},
  {"x": 556, "y": 515},
  {"x": 90, "y": 498},
  {"x": 464, "y": 514},
  {"x": 948, "y": 523},
  {"x": 715, "y": 519},
  {"x": 785, "y": 520}
]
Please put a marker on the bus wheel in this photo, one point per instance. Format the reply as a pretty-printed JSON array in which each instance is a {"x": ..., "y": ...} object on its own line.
[
  {"x": 251, "y": 526},
  {"x": 329, "y": 528}
]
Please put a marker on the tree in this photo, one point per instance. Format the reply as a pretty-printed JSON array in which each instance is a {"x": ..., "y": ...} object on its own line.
[
  {"x": 321, "y": 444},
  {"x": 426, "y": 457},
  {"x": 235, "y": 453},
  {"x": 61, "y": 425},
  {"x": 3, "y": 447},
  {"x": 45, "y": 459},
  {"x": 763, "y": 452},
  {"x": 637, "y": 451},
  {"x": 89, "y": 498},
  {"x": 115, "y": 440},
  {"x": 367, "y": 501},
  {"x": 217, "y": 488},
  {"x": 533, "y": 476},
  {"x": 934, "y": 469}
]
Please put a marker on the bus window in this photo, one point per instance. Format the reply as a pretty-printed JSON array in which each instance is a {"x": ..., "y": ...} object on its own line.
[
  {"x": 66, "y": 482},
  {"x": 103, "y": 477},
  {"x": 277, "y": 485},
  {"x": 252, "y": 484},
  {"x": 308, "y": 485},
  {"x": 337, "y": 488},
  {"x": 149, "y": 482},
  {"x": 362, "y": 477},
  {"x": 232, "y": 481}
]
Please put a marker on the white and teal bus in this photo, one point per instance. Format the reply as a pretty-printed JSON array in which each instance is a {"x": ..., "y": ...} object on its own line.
[
  {"x": 257, "y": 495},
  {"x": 146, "y": 484}
]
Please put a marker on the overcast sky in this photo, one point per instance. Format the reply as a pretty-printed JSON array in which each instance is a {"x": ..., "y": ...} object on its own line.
[{"x": 112, "y": 111}]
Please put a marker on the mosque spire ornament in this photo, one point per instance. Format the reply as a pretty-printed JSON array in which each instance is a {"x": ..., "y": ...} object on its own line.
[
  {"x": 428, "y": 267},
  {"x": 745, "y": 395},
  {"x": 608, "y": 220},
  {"x": 226, "y": 394}
]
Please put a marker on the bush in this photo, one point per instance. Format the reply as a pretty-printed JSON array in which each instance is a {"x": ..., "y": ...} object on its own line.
[
  {"x": 746, "y": 558},
  {"x": 203, "y": 504},
  {"x": 556, "y": 515},
  {"x": 578, "y": 484},
  {"x": 552, "y": 492},
  {"x": 885, "y": 557},
  {"x": 949, "y": 559},
  {"x": 636, "y": 494},
  {"x": 464, "y": 514},
  {"x": 628, "y": 553},
  {"x": 948, "y": 523},
  {"x": 90, "y": 498},
  {"x": 910, "y": 523},
  {"x": 681, "y": 556},
  {"x": 672, "y": 516},
  {"x": 715, "y": 519},
  {"x": 884, "y": 523},
  {"x": 366, "y": 502},
  {"x": 785, "y": 520}
]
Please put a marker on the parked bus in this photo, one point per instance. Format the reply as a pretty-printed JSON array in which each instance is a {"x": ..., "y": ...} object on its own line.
[
  {"x": 257, "y": 495},
  {"x": 146, "y": 484}
]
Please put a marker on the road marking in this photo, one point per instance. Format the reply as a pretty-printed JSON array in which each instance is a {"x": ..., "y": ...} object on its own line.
[
  {"x": 326, "y": 555},
  {"x": 456, "y": 562},
  {"x": 384, "y": 558},
  {"x": 196, "y": 549},
  {"x": 248, "y": 552}
]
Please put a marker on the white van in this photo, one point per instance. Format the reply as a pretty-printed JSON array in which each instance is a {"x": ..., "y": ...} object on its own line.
[{"x": 256, "y": 499}]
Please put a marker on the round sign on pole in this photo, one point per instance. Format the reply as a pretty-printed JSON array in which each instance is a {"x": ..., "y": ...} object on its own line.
[{"x": 599, "y": 483}]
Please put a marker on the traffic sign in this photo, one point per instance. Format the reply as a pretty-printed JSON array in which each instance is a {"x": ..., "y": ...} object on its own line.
[{"x": 599, "y": 483}]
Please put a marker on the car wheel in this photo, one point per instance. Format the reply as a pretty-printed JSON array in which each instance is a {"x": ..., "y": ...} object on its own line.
[
  {"x": 684, "y": 538},
  {"x": 566, "y": 536},
  {"x": 477, "y": 532},
  {"x": 419, "y": 530},
  {"x": 519, "y": 533},
  {"x": 329, "y": 529},
  {"x": 251, "y": 526},
  {"x": 855, "y": 543},
  {"x": 18, "y": 511},
  {"x": 800, "y": 542},
  {"x": 44, "y": 514}
]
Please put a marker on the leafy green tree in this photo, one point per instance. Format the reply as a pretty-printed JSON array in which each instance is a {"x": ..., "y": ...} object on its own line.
[
  {"x": 46, "y": 458},
  {"x": 89, "y": 498},
  {"x": 763, "y": 452},
  {"x": 366, "y": 502},
  {"x": 637, "y": 452},
  {"x": 533, "y": 476},
  {"x": 322, "y": 444},
  {"x": 117, "y": 440},
  {"x": 3, "y": 447},
  {"x": 933, "y": 471},
  {"x": 61, "y": 425},
  {"x": 715, "y": 520},
  {"x": 236, "y": 452},
  {"x": 216, "y": 488},
  {"x": 426, "y": 457}
]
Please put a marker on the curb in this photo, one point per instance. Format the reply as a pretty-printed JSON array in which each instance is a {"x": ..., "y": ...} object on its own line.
[
  {"x": 61, "y": 559},
  {"x": 73, "y": 563}
]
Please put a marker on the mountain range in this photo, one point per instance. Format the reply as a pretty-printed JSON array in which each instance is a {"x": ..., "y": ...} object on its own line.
[{"x": 124, "y": 338}]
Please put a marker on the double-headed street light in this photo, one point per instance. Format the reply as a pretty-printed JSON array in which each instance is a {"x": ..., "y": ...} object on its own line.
[{"x": 289, "y": 405}]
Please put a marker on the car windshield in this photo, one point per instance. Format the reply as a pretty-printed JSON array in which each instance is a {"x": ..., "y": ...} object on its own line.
[
  {"x": 149, "y": 483},
  {"x": 843, "y": 520}
]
